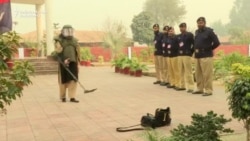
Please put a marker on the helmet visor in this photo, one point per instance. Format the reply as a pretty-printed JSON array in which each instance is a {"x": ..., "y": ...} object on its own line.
[{"x": 67, "y": 32}]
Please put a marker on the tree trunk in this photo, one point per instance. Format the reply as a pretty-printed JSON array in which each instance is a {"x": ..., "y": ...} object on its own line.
[{"x": 248, "y": 129}]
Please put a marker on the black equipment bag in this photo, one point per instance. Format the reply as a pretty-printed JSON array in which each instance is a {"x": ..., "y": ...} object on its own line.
[{"x": 161, "y": 118}]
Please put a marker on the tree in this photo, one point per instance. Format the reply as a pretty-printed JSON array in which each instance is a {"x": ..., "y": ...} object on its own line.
[
  {"x": 239, "y": 15},
  {"x": 114, "y": 37},
  {"x": 239, "y": 36},
  {"x": 239, "y": 98},
  {"x": 165, "y": 12},
  {"x": 220, "y": 28},
  {"x": 12, "y": 80},
  {"x": 239, "y": 22},
  {"x": 142, "y": 28},
  {"x": 202, "y": 128}
]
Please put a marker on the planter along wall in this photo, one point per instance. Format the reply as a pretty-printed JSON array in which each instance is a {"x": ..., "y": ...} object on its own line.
[{"x": 127, "y": 66}]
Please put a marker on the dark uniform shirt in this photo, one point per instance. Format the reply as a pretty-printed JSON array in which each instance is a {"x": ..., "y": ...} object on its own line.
[
  {"x": 158, "y": 44},
  {"x": 171, "y": 47},
  {"x": 205, "y": 42},
  {"x": 186, "y": 42},
  {"x": 164, "y": 43}
]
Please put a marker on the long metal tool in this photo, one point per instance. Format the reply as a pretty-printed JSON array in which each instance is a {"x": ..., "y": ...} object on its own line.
[{"x": 74, "y": 77}]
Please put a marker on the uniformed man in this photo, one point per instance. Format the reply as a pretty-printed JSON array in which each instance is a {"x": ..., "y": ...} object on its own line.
[
  {"x": 186, "y": 41},
  {"x": 172, "y": 52},
  {"x": 68, "y": 52},
  {"x": 165, "y": 57},
  {"x": 158, "y": 53},
  {"x": 204, "y": 43}
]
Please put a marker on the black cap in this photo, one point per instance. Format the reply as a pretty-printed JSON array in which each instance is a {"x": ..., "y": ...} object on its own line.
[
  {"x": 201, "y": 19},
  {"x": 166, "y": 27},
  {"x": 156, "y": 25},
  {"x": 183, "y": 25},
  {"x": 170, "y": 28}
]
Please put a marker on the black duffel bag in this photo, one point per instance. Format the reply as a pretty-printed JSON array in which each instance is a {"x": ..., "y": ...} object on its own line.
[{"x": 161, "y": 118}]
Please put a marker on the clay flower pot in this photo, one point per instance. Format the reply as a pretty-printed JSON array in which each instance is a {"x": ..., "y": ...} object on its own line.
[
  {"x": 121, "y": 70},
  {"x": 126, "y": 70},
  {"x": 10, "y": 64},
  {"x": 132, "y": 73},
  {"x": 87, "y": 63},
  {"x": 138, "y": 73},
  {"x": 82, "y": 63},
  {"x": 117, "y": 69}
]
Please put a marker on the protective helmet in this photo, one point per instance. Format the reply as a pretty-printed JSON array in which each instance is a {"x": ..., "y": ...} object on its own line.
[{"x": 67, "y": 31}]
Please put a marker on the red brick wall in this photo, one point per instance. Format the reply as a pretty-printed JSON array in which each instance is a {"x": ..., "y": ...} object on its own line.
[
  {"x": 227, "y": 49},
  {"x": 100, "y": 51},
  {"x": 106, "y": 53}
]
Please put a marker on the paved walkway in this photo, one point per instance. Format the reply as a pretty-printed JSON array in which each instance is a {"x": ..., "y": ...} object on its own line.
[{"x": 120, "y": 101}]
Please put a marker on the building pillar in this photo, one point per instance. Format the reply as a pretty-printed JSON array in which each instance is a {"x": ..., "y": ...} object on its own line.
[
  {"x": 39, "y": 29},
  {"x": 49, "y": 27}
]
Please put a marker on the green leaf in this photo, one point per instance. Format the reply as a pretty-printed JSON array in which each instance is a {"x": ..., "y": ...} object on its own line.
[
  {"x": 248, "y": 96},
  {"x": 9, "y": 88}
]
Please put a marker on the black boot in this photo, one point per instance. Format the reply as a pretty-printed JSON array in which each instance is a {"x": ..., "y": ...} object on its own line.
[
  {"x": 63, "y": 99},
  {"x": 180, "y": 89},
  {"x": 164, "y": 84},
  {"x": 74, "y": 100},
  {"x": 170, "y": 86},
  {"x": 157, "y": 82}
]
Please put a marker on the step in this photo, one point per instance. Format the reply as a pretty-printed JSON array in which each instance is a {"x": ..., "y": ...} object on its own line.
[
  {"x": 45, "y": 72},
  {"x": 42, "y": 66}
]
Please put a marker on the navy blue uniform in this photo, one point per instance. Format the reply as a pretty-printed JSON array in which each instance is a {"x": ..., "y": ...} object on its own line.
[
  {"x": 205, "y": 42},
  {"x": 164, "y": 44},
  {"x": 171, "y": 46},
  {"x": 186, "y": 42},
  {"x": 158, "y": 44}
]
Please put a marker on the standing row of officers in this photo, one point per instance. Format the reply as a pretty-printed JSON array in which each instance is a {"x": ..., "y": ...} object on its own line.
[{"x": 173, "y": 57}]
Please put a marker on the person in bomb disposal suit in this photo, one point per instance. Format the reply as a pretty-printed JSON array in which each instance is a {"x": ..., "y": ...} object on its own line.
[
  {"x": 186, "y": 42},
  {"x": 205, "y": 42},
  {"x": 158, "y": 54},
  {"x": 68, "y": 52}
]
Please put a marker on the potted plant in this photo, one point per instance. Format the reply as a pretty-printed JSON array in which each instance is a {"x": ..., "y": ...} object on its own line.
[
  {"x": 85, "y": 57},
  {"x": 139, "y": 68},
  {"x": 8, "y": 43},
  {"x": 12, "y": 81},
  {"x": 133, "y": 66},
  {"x": 126, "y": 63},
  {"x": 132, "y": 69},
  {"x": 10, "y": 63},
  {"x": 122, "y": 64},
  {"x": 82, "y": 57},
  {"x": 117, "y": 64},
  {"x": 30, "y": 49}
]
